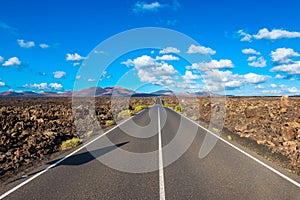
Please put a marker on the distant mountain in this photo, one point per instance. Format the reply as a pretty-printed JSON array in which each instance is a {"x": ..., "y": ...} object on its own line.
[{"x": 103, "y": 92}]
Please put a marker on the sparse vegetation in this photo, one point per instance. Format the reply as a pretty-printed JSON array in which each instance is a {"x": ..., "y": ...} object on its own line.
[
  {"x": 229, "y": 137},
  {"x": 125, "y": 114},
  {"x": 178, "y": 109},
  {"x": 194, "y": 118},
  {"x": 138, "y": 107},
  {"x": 216, "y": 130},
  {"x": 110, "y": 122},
  {"x": 72, "y": 143},
  {"x": 168, "y": 106},
  {"x": 89, "y": 133}
]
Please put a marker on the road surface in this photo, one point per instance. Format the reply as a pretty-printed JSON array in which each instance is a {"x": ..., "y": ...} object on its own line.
[{"x": 225, "y": 173}]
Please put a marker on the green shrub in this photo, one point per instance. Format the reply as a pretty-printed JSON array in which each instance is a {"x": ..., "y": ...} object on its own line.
[
  {"x": 168, "y": 106},
  {"x": 89, "y": 133},
  {"x": 194, "y": 118},
  {"x": 216, "y": 130},
  {"x": 138, "y": 108},
  {"x": 72, "y": 143},
  {"x": 124, "y": 114},
  {"x": 229, "y": 137},
  {"x": 110, "y": 122},
  {"x": 178, "y": 109}
]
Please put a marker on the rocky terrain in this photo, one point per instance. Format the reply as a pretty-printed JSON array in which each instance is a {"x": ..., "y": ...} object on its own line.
[
  {"x": 273, "y": 122},
  {"x": 31, "y": 128}
]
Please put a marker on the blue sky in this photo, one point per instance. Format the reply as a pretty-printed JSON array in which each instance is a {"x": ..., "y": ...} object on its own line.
[{"x": 253, "y": 46}]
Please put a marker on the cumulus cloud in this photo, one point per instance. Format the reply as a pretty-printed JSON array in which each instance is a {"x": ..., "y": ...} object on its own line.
[
  {"x": 255, "y": 78},
  {"x": 44, "y": 46},
  {"x": 2, "y": 84},
  {"x": 150, "y": 70},
  {"x": 201, "y": 50},
  {"x": 189, "y": 77},
  {"x": 286, "y": 89},
  {"x": 216, "y": 80},
  {"x": 76, "y": 64},
  {"x": 44, "y": 86},
  {"x": 275, "y": 34},
  {"x": 245, "y": 37},
  {"x": 74, "y": 57},
  {"x": 273, "y": 85},
  {"x": 283, "y": 55},
  {"x": 169, "y": 50},
  {"x": 56, "y": 86},
  {"x": 257, "y": 62},
  {"x": 278, "y": 76},
  {"x": 290, "y": 69},
  {"x": 214, "y": 64},
  {"x": 259, "y": 87},
  {"x": 167, "y": 57},
  {"x": 24, "y": 44},
  {"x": 59, "y": 74},
  {"x": 147, "y": 7},
  {"x": 233, "y": 84},
  {"x": 250, "y": 51},
  {"x": 14, "y": 61}
]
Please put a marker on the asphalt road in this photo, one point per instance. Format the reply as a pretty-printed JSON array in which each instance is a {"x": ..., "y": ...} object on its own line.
[{"x": 104, "y": 171}]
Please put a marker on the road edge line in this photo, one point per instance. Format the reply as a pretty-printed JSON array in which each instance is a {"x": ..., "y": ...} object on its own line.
[
  {"x": 245, "y": 153},
  {"x": 61, "y": 160}
]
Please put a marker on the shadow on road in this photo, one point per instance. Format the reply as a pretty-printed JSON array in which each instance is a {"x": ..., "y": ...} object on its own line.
[
  {"x": 78, "y": 159},
  {"x": 82, "y": 158}
]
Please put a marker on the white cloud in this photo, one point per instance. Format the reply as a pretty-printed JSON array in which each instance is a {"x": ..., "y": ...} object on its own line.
[
  {"x": 259, "y": 86},
  {"x": 76, "y": 64},
  {"x": 259, "y": 62},
  {"x": 250, "y": 51},
  {"x": 273, "y": 85},
  {"x": 14, "y": 61},
  {"x": 74, "y": 57},
  {"x": 91, "y": 80},
  {"x": 189, "y": 77},
  {"x": 255, "y": 78},
  {"x": 2, "y": 84},
  {"x": 291, "y": 69},
  {"x": 44, "y": 86},
  {"x": 24, "y": 44},
  {"x": 44, "y": 46},
  {"x": 275, "y": 34},
  {"x": 245, "y": 37},
  {"x": 169, "y": 50},
  {"x": 167, "y": 57},
  {"x": 59, "y": 74},
  {"x": 216, "y": 80},
  {"x": 144, "y": 7},
  {"x": 214, "y": 64},
  {"x": 278, "y": 76},
  {"x": 1, "y": 59},
  {"x": 201, "y": 49},
  {"x": 283, "y": 55},
  {"x": 251, "y": 58},
  {"x": 56, "y": 86},
  {"x": 39, "y": 86},
  {"x": 150, "y": 70},
  {"x": 285, "y": 88},
  {"x": 233, "y": 84}
]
